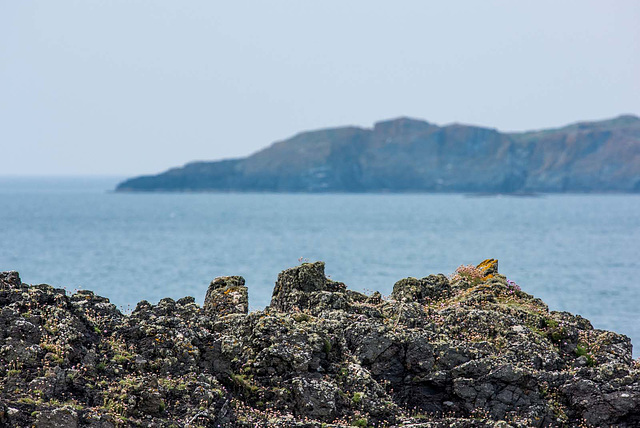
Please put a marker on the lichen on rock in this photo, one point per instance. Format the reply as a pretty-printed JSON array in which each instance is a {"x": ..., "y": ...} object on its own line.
[
  {"x": 472, "y": 351},
  {"x": 226, "y": 295}
]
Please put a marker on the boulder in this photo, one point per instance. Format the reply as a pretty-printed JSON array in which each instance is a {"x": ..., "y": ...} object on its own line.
[
  {"x": 433, "y": 287},
  {"x": 64, "y": 417},
  {"x": 10, "y": 279},
  {"x": 226, "y": 295},
  {"x": 489, "y": 267},
  {"x": 296, "y": 287}
]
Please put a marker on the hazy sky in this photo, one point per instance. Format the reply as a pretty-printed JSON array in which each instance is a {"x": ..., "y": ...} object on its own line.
[{"x": 130, "y": 87}]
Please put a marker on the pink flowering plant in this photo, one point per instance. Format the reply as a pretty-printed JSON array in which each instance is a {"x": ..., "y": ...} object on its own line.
[
  {"x": 468, "y": 273},
  {"x": 513, "y": 285}
]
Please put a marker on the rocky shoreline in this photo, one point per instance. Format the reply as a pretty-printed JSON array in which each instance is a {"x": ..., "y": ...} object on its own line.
[{"x": 467, "y": 350}]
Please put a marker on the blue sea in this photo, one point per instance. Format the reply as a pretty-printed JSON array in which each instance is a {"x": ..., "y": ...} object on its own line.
[{"x": 579, "y": 253}]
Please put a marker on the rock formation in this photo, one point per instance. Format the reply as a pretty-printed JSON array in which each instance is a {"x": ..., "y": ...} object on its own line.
[
  {"x": 467, "y": 350},
  {"x": 226, "y": 295}
]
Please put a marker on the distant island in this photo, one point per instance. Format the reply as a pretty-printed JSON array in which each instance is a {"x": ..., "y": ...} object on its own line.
[{"x": 409, "y": 155}]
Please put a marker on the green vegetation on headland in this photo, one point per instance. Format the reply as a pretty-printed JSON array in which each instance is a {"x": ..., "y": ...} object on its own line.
[
  {"x": 407, "y": 155},
  {"x": 469, "y": 350}
]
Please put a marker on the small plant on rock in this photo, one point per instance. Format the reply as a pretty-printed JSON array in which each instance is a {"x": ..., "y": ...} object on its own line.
[
  {"x": 513, "y": 286},
  {"x": 360, "y": 422},
  {"x": 555, "y": 332},
  {"x": 468, "y": 273},
  {"x": 582, "y": 351}
]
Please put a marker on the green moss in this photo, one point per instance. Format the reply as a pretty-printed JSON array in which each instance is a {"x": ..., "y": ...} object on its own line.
[
  {"x": 357, "y": 397},
  {"x": 543, "y": 390},
  {"x": 69, "y": 403},
  {"x": 555, "y": 333},
  {"x": 244, "y": 383},
  {"x": 113, "y": 405},
  {"x": 556, "y": 336},
  {"x": 27, "y": 400},
  {"x": 582, "y": 351},
  {"x": 360, "y": 422},
  {"x": 327, "y": 346},
  {"x": 558, "y": 411},
  {"x": 301, "y": 317},
  {"x": 551, "y": 323}
]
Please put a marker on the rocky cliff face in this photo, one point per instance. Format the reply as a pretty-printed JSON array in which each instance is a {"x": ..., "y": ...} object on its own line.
[
  {"x": 467, "y": 350},
  {"x": 406, "y": 155}
]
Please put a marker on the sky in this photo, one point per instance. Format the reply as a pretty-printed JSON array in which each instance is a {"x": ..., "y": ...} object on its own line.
[{"x": 129, "y": 87}]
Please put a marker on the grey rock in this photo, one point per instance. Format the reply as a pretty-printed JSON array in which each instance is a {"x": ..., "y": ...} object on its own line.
[
  {"x": 58, "y": 418},
  {"x": 476, "y": 354},
  {"x": 315, "y": 397},
  {"x": 10, "y": 279},
  {"x": 294, "y": 286},
  {"x": 433, "y": 287},
  {"x": 227, "y": 295}
]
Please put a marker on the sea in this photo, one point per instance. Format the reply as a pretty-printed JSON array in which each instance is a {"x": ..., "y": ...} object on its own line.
[{"x": 577, "y": 252}]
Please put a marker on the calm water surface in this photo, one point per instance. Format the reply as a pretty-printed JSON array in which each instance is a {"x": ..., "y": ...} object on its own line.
[{"x": 578, "y": 253}]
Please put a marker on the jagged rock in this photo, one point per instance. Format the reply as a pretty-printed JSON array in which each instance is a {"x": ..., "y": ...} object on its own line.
[
  {"x": 489, "y": 267},
  {"x": 57, "y": 418},
  {"x": 10, "y": 279},
  {"x": 315, "y": 397},
  {"x": 227, "y": 295},
  {"x": 433, "y": 287},
  {"x": 306, "y": 287},
  {"x": 476, "y": 351}
]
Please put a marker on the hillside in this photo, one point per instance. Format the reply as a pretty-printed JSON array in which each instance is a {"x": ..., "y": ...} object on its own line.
[{"x": 408, "y": 155}]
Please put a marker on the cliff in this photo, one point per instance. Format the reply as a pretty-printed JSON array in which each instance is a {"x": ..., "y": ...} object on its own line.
[
  {"x": 467, "y": 350},
  {"x": 407, "y": 155}
]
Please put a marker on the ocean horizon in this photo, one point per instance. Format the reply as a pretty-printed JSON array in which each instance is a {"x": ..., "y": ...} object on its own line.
[{"x": 577, "y": 252}]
